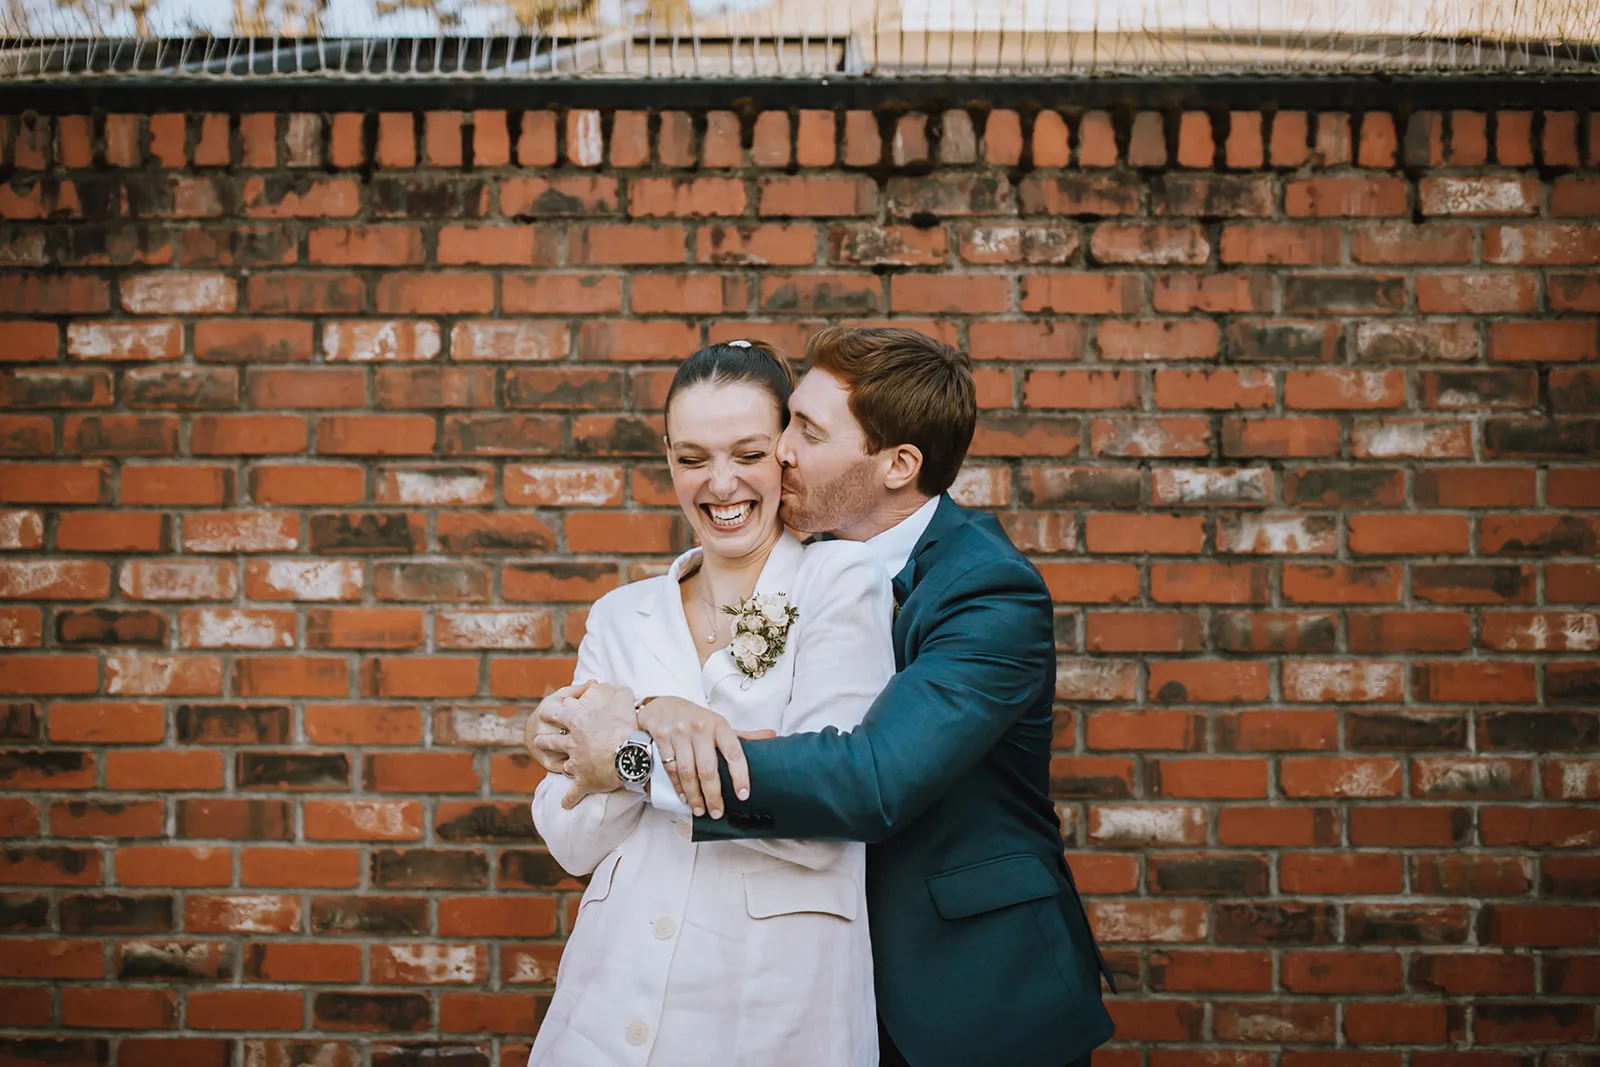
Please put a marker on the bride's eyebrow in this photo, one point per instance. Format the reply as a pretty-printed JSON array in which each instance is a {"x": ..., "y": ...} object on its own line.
[{"x": 765, "y": 440}]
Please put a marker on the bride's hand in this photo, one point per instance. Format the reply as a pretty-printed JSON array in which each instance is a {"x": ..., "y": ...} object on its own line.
[{"x": 688, "y": 737}]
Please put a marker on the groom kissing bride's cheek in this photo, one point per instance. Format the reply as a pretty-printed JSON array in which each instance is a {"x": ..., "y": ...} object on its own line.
[{"x": 810, "y": 778}]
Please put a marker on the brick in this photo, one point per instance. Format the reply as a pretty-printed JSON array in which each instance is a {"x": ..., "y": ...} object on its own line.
[
  {"x": 1211, "y": 487},
  {"x": 1485, "y": 196},
  {"x": 1267, "y": 731},
  {"x": 704, "y": 294},
  {"x": 54, "y": 580},
  {"x": 771, "y": 244},
  {"x": 1085, "y": 294},
  {"x": 21, "y": 628},
  {"x": 927, "y": 294},
  {"x": 1036, "y": 244},
  {"x": 1345, "y": 198},
  {"x": 26, "y": 435},
  {"x": 248, "y": 1009},
  {"x": 446, "y": 293},
  {"x": 1208, "y": 583},
  {"x": 1280, "y": 245},
  {"x": 693, "y": 197},
  {"x": 804, "y": 196},
  {"x": 628, "y": 245},
  {"x": 109, "y": 531},
  {"x": 389, "y": 245},
  {"x": 1339, "y": 777},
  {"x": 1378, "y": 142},
  {"x": 1119, "y": 340},
  {"x": 1210, "y": 390},
  {"x": 1543, "y": 244},
  {"x": 1331, "y": 142},
  {"x": 1275, "y": 438},
  {"x": 1575, "y": 196},
  {"x": 363, "y": 820},
  {"x": 1276, "y": 535},
  {"x": 1336, "y": 973},
  {"x": 1130, "y": 534},
  {"x": 1404, "y": 243},
  {"x": 1149, "y": 245},
  {"x": 1410, "y": 439}
]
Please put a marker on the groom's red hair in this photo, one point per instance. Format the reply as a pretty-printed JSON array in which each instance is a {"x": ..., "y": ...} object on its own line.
[{"x": 905, "y": 388}]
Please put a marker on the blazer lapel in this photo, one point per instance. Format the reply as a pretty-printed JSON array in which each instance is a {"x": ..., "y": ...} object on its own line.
[
  {"x": 777, "y": 576},
  {"x": 946, "y": 518},
  {"x": 665, "y": 631}
]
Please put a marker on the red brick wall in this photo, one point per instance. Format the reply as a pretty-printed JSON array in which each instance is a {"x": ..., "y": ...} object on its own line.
[{"x": 321, "y": 431}]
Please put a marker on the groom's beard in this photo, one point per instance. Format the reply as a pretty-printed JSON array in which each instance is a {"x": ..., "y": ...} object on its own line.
[{"x": 837, "y": 505}]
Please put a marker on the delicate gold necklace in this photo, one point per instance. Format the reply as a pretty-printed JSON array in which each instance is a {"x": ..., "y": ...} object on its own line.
[{"x": 713, "y": 616}]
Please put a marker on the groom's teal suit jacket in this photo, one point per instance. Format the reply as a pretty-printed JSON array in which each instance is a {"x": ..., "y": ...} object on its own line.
[{"x": 981, "y": 948}]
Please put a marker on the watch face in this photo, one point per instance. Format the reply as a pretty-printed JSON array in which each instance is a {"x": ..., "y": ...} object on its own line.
[{"x": 633, "y": 762}]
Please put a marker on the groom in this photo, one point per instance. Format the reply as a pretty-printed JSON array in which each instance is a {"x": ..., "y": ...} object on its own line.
[{"x": 982, "y": 951}]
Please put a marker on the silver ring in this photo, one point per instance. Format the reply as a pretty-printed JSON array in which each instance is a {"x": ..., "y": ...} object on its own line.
[{"x": 670, "y": 759}]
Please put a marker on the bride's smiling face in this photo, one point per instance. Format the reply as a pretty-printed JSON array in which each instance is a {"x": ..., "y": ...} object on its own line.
[{"x": 721, "y": 441}]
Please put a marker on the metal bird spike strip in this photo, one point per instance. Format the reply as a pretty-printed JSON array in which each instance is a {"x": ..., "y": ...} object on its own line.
[{"x": 789, "y": 39}]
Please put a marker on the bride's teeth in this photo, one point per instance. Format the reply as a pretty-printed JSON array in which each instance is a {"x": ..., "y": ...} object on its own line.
[{"x": 729, "y": 515}]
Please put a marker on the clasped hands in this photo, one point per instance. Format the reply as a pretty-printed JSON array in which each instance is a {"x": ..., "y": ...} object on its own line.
[{"x": 576, "y": 731}]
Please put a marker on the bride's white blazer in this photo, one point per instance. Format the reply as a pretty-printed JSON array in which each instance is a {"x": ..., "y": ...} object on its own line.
[{"x": 738, "y": 952}]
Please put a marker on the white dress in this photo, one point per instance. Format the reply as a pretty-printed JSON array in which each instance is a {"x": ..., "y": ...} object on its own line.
[{"x": 737, "y": 953}]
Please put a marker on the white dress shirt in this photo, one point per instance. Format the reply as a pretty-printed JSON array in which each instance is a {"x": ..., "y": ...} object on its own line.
[
  {"x": 746, "y": 953},
  {"x": 895, "y": 545},
  {"x": 893, "y": 548}
]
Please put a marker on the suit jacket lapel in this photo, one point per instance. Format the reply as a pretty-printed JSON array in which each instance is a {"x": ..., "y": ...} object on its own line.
[{"x": 946, "y": 518}]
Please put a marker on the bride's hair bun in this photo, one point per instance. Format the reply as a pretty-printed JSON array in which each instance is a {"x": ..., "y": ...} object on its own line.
[{"x": 753, "y": 361}]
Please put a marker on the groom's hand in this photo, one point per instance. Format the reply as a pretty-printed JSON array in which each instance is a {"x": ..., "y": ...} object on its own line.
[
  {"x": 688, "y": 737},
  {"x": 539, "y": 725},
  {"x": 585, "y": 733}
]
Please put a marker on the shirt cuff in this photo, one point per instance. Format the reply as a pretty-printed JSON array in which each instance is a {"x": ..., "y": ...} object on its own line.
[{"x": 663, "y": 795}]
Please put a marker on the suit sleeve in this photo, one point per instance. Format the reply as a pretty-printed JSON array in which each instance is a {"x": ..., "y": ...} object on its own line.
[
  {"x": 843, "y": 659},
  {"x": 581, "y": 837},
  {"x": 978, "y": 667}
]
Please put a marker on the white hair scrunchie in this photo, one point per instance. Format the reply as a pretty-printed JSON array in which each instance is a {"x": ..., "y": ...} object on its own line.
[{"x": 738, "y": 344}]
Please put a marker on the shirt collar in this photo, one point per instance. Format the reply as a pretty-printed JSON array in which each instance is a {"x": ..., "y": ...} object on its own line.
[{"x": 894, "y": 546}]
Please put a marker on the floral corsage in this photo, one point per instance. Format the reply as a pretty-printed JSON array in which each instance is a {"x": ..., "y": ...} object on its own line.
[{"x": 760, "y": 630}]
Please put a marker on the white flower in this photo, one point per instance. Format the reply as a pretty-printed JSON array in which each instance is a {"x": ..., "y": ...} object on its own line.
[
  {"x": 751, "y": 645},
  {"x": 760, "y": 630}
]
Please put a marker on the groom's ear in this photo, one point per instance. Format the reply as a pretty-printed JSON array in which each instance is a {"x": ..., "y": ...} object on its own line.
[{"x": 905, "y": 463}]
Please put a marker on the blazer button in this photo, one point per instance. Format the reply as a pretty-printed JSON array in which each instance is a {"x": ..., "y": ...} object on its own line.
[
  {"x": 664, "y": 927},
  {"x": 636, "y": 1032}
]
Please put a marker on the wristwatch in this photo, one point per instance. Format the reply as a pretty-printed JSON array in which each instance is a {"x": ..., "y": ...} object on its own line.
[{"x": 633, "y": 759}]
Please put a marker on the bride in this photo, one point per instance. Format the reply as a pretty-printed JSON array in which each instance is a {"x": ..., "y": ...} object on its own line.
[{"x": 739, "y": 952}]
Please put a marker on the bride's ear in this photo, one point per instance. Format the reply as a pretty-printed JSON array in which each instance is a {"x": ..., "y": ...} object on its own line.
[{"x": 905, "y": 463}]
